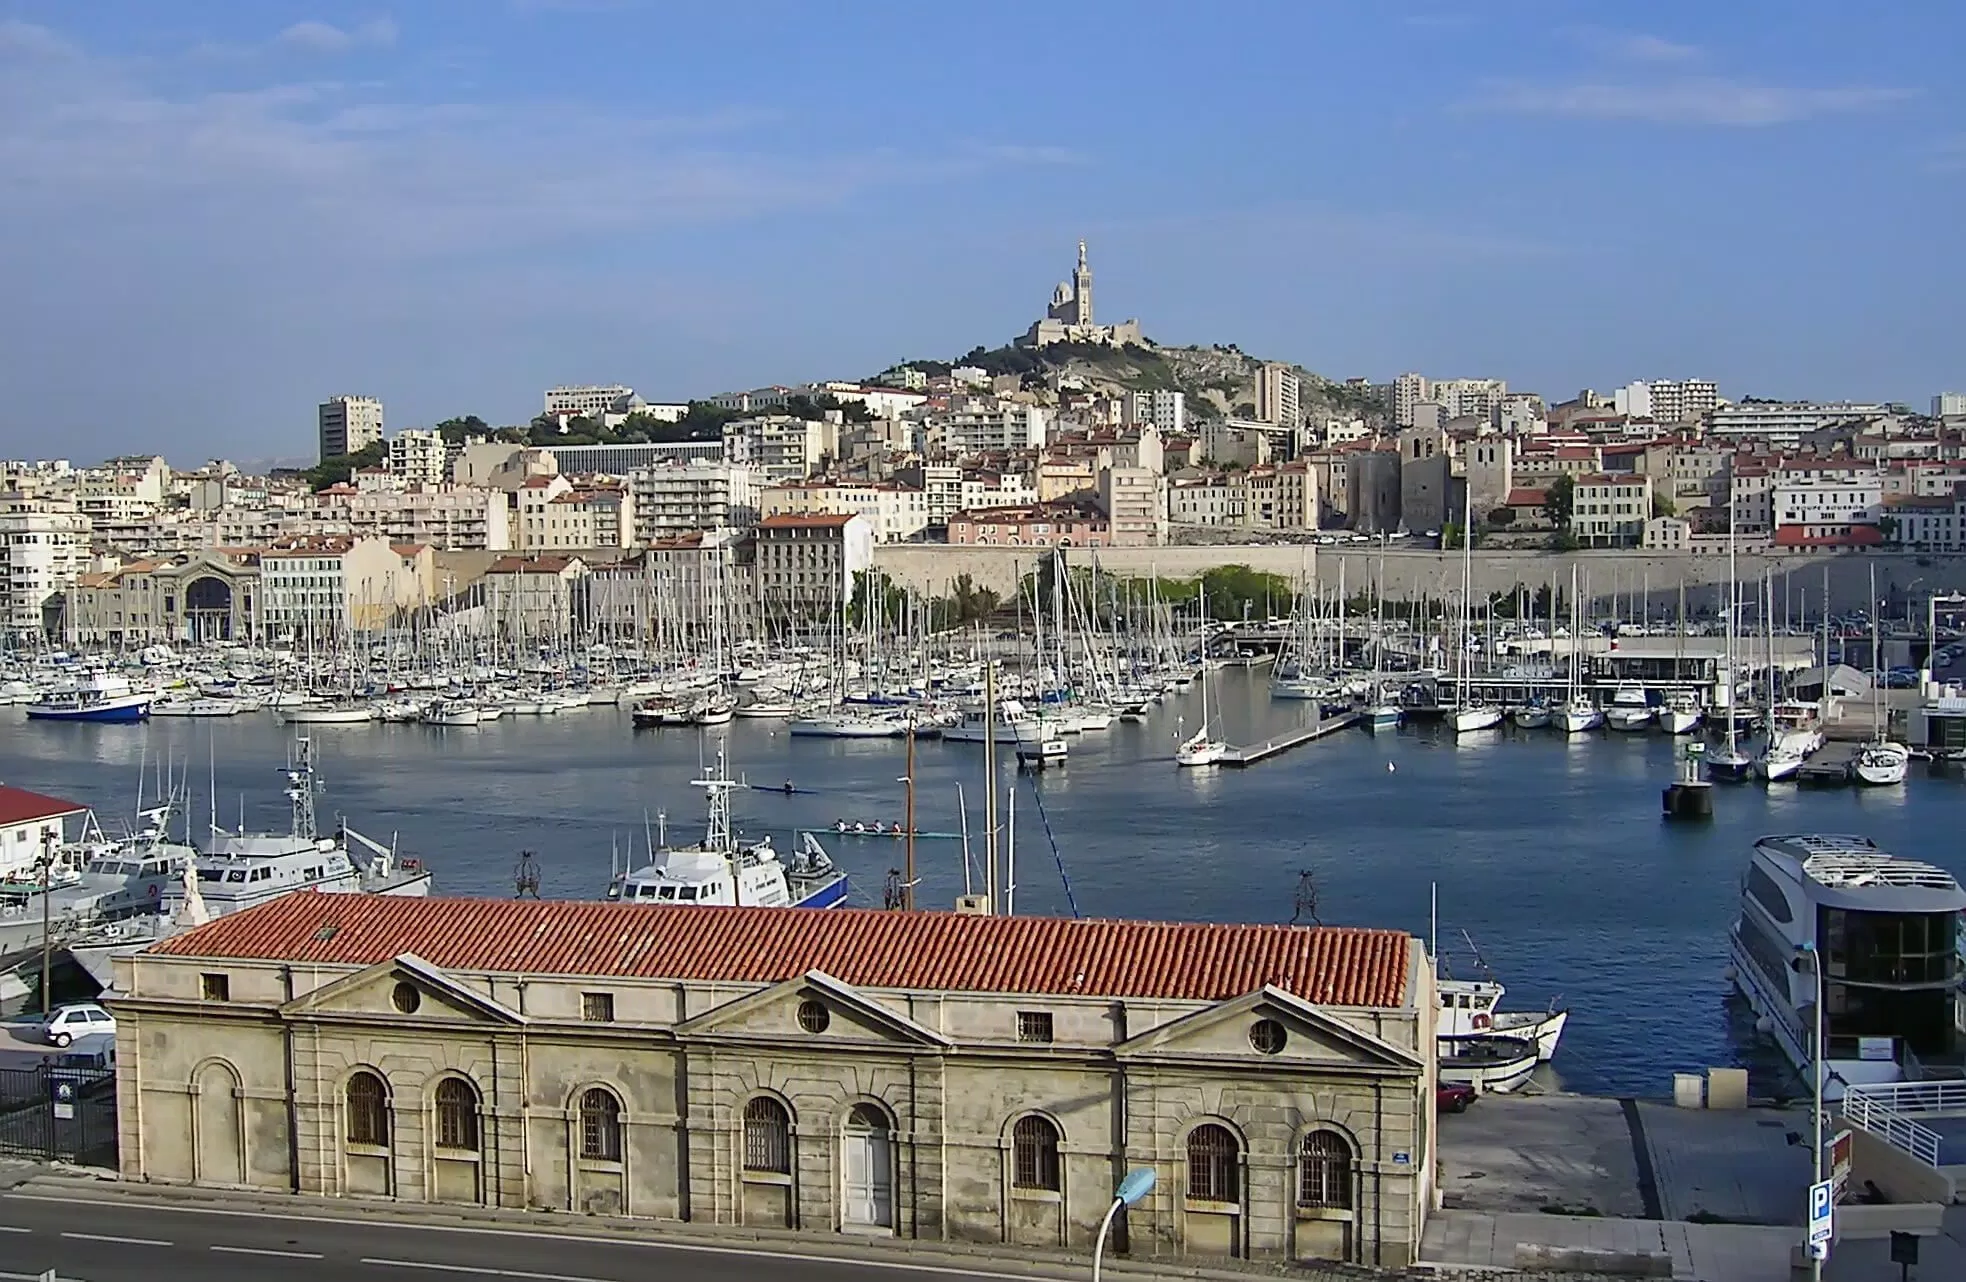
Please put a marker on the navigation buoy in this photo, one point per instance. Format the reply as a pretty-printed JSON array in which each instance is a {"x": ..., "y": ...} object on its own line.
[{"x": 1390, "y": 767}]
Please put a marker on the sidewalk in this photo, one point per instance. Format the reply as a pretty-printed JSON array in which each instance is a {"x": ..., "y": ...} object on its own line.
[{"x": 1706, "y": 1252}]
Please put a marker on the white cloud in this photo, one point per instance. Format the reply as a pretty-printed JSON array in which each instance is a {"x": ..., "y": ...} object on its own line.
[
  {"x": 25, "y": 40},
  {"x": 326, "y": 38},
  {"x": 1635, "y": 46},
  {"x": 1704, "y": 100}
]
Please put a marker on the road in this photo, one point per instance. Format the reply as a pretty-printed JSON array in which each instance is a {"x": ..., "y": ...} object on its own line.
[{"x": 112, "y": 1240}]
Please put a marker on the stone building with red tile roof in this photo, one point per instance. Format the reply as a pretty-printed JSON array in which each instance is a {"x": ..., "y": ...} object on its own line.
[{"x": 939, "y": 1076}]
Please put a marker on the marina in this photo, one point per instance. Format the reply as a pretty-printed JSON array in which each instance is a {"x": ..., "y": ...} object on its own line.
[{"x": 1547, "y": 848}]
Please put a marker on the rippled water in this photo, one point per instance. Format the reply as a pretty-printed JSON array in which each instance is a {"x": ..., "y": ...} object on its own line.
[{"x": 1550, "y": 853}]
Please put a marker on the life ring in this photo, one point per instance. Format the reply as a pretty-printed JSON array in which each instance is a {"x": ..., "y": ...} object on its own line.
[{"x": 1480, "y": 1021}]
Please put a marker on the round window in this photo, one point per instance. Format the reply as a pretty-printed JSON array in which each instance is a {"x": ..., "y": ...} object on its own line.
[
  {"x": 1267, "y": 1036},
  {"x": 406, "y": 998},
  {"x": 813, "y": 1016}
]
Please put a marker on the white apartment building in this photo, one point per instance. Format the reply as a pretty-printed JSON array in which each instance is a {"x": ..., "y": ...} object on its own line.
[
  {"x": 806, "y": 566},
  {"x": 454, "y": 518},
  {"x": 420, "y": 456},
  {"x": 1271, "y": 499},
  {"x": 948, "y": 489},
  {"x": 554, "y": 515},
  {"x": 1928, "y": 523},
  {"x": 1468, "y": 397},
  {"x": 349, "y": 424},
  {"x": 894, "y": 513},
  {"x": 701, "y": 494},
  {"x": 535, "y": 599},
  {"x": 778, "y": 447},
  {"x": 44, "y": 549},
  {"x": 1683, "y": 400},
  {"x": 1949, "y": 405},
  {"x": 1521, "y": 414},
  {"x": 328, "y": 587},
  {"x": 1134, "y": 500},
  {"x": 1786, "y": 423},
  {"x": 1611, "y": 509},
  {"x": 756, "y": 400},
  {"x": 588, "y": 401},
  {"x": 1408, "y": 391},
  {"x": 1824, "y": 507},
  {"x": 1166, "y": 411},
  {"x": 1214, "y": 501},
  {"x": 687, "y": 580},
  {"x": 981, "y": 427},
  {"x": 881, "y": 402},
  {"x": 1279, "y": 395}
]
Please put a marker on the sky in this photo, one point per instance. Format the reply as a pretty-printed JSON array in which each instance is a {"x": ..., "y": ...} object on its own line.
[{"x": 216, "y": 213}]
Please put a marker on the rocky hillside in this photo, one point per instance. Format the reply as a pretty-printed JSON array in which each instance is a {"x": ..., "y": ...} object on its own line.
[{"x": 1220, "y": 381}]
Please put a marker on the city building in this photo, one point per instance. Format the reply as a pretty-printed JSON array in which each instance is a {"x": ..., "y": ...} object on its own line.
[
  {"x": 986, "y": 427},
  {"x": 1926, "y": 523},
  {"x": 1611, "y": 509},
  {"x": 620, "y": 460},
  {"x": 1408, "y": 391},
  {"x": 1681, "y": 400},
  {"x": 1476, "y": 398},
  {"x": 1278, "y": 395},
  {"x": 779, "y": 447},
  {"x": 1165, "y": 411},
  {"x": 701, "y": 494},
  {"x": 453, "y": 518},
  {"x": 1041, "y": 525},
  {"x": 805, "y": 567},
  {"x": 44, "y": 549},
  {"x": 1814, "y": 510},
  {"x": 895, "y": 513},
  {"x": 1134, "y": 500},
  {"x": 1949, "y": 405},
  {"x": 537, "y": 600},
  {"x": 1425, "y": 469},
  {"x": 192, "y": 598},
  {"x": 756, "y": 400},
  {"x": 1784, "y": 424},
  {"x": 1069, "y": 317},
  {"x": 1490, "y": 465},
  {"x": 420, "y": 456},
  {"x": 322, "y": 589},
  {"x": 590, "y": 402},
  {"x": 556, "y": 515},
  {"x": 349, "y": 424},
  {"x": 930, "y": 1076},
  {"x": 678, "y": 585},
  {"x": 1667, "y": 534}
]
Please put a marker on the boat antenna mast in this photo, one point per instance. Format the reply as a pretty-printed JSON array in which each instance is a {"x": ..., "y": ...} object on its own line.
[
  {"x": 1303, "y": 903},
  {"x": 300, "y": 787},
  {"x": 525, "y": 877},
  {"x": 718, "y": 788}
]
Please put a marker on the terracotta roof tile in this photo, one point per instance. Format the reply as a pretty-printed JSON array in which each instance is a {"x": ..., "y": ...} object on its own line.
[{"x": 925, "y": 951}]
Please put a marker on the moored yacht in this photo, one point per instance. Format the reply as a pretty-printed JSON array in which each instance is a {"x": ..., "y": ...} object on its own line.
[
  {"x": 720, "y": 870},
  {"x": 1680, "y": 714},
  {"x": 1881, "y": 763},
  {"x": 99, "y": 696},
  {"x": 1630, "y": 708},
  {"x": 1578, "y": 715},
  {"x": 1886, "y": 932},
  {"x": 1534, "y": 715}
]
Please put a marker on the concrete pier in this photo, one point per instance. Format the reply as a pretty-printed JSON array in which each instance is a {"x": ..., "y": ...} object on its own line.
[{"x": 1281, "y": 743}]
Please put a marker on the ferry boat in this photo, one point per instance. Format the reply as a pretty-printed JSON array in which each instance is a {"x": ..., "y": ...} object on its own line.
[
  {"x": 1887, "y": 931},
  {"x": 100, "y": 696},
  {"x": 720, "y": 870}
]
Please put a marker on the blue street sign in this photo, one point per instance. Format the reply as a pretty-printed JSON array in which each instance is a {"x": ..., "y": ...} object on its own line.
[{"x": 1822, "y": 1213}]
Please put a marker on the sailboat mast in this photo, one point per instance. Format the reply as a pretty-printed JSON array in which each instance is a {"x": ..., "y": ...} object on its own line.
[{"x": 908, "y": 857}]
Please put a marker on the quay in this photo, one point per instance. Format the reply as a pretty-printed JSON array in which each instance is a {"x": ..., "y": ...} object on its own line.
[
  {"x": 1281, "y": 743},
  {"x": 1829, "y": 766}
]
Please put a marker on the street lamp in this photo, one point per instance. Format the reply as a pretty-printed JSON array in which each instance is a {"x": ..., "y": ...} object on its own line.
[
  {"x": 1138, "y": 1183},
  {"x": 1817, "y": 1068}
]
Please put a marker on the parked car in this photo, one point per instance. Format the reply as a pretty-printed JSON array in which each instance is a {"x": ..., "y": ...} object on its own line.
[
  {"x": 1454, "y": 1097},
  {"x": 77, "y": 1019}
]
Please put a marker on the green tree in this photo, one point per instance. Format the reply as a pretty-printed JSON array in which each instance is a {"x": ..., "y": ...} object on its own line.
[
  {"x": 455, "y": 430},
  {"x": 1502, "y": 516},
  {"x": 1663, "y": 506},
  {"x": 966, "y": 604},
  {"x": 1560, "y": 500},
  {"x": 338, "y": 470}
]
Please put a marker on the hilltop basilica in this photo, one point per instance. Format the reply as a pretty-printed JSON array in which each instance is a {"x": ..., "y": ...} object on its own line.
[{"x": 1069, "y": 318}]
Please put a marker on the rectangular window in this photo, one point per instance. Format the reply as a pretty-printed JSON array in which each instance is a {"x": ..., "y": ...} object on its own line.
[
  {"x": 597, "y": 1008},
  {"x": 215, "y": 987},
  {"x": 1034, "y": 1026}
]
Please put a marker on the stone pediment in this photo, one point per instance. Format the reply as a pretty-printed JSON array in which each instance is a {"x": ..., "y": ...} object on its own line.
[
  {"x": 850, "y": 1017},
  {"x": 381, "y": 991},
  {"x": 1311, "y": 1035}
]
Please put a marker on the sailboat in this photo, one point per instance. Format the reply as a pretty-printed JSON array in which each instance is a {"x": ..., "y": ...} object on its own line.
[
  {"x": 1579, "y": 712},
  {"x": 1198, "y": 749},
  {"x": 1880, "y": 762},
  {"x": 1469, "y": 713},
  {"x": 1730, "y": 762}
]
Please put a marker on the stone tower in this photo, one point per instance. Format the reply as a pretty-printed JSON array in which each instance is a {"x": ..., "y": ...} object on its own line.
[{"x": 1082, "y": 290}]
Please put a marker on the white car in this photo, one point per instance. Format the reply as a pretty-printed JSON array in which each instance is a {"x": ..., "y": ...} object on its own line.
[{"x": 78, "y": 1019}]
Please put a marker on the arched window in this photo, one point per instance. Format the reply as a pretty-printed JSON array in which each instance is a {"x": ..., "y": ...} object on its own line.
[
  {"x": 600, "y": 1125},
  {"x": 368, "y": 1110},
  {"x": 457, "y": 1114},
  {"x": 767, "y": 1136},
  {"x": 1213, "y": 1169},
  {"x": 1034, "y": 1154},
  {"x": 1324, "y": 1179}
]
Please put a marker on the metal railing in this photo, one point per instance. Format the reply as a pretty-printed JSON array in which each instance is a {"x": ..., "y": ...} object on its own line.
[{"x": 1888, "y": 1112}]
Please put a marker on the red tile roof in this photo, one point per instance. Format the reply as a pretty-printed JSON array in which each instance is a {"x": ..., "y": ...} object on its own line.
[
  {"x": 926, "y": 951},
  {"x": 805, "y": 521},
  {"x": 1523, "y": 496},
  {"x": 19, "y": 806}
]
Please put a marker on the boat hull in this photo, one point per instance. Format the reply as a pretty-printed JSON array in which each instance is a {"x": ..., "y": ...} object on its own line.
[
  {"x": 1493, "y": 1065},
  {"x": 1629, "y": 720},
  {"x": 1531, "y": 718},
  {"x": 1466, "y": 720},
  {"x": 1679, "y": 720},
  {"x": 115, "y": 712}
]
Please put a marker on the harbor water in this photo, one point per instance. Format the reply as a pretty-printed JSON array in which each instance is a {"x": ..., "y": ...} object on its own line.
[{"x": 1549, "y": 853}]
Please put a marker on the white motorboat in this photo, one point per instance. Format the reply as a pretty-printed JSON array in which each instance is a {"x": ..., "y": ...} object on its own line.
[
  {"x": 1050, "y": 751},
  {"x": 762, "y": 709},
  {"x": 1013, "y": 723},
  {"x": 1680, "y": 714},
  {"x": 1491, "y": 1064},
  {"x": 1382, "y": 716},
  {"x": 328, "y": 714},
  {"x": 1881, "y": 763},
  {"x": 454, "y": 712},
  {"x": 1630, "y": 708},
  {"x": 1090, "y": 717},
  {"x": 200, "y": 706},
  {"x": 849, "y": 725},
  {"x": 1887, "y": 931},
  {"x": 1472, "y": 1008}
]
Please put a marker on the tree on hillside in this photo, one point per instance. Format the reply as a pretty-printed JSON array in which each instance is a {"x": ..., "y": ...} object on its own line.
[
  {"x": 339, "y": 469},
  {"x": 455, "y": 430},
  {"x": 1560, "y": 500}
]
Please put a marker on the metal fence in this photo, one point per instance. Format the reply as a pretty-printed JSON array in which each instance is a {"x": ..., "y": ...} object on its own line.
[{"x": 59, "y": 1113}]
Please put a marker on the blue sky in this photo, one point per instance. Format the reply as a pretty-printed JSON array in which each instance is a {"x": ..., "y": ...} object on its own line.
[{"x": 213, "y": 213}]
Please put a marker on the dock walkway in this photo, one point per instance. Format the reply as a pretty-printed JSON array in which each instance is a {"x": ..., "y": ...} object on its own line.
[{"x": 1281, "y": 743}]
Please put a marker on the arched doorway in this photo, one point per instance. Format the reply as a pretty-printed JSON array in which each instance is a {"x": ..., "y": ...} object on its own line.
[
  {"x": 867, "y": 1172},
  {"x": 208, "y": 609}
]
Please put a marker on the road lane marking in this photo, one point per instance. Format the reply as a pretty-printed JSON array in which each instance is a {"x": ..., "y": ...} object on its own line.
[
  {"x": 260, "y": 1250},
  {"x": 13, "y": 1228},
  {"x": 585, "y": 1239},
  {"x": 121, "y": 1241},
  {"x": 480, "y": 1270}
]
